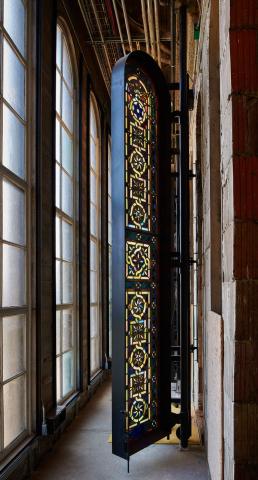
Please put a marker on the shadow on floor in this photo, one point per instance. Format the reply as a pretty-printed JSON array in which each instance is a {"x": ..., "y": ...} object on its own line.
[{"x": 83, "y": 452}]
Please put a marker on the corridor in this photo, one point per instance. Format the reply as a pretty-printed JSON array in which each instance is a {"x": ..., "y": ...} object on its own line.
[{"x": 83, "y": 452}]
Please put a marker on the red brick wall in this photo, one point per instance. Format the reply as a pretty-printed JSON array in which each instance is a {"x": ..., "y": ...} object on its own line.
[{"x": 244, "y": 76}]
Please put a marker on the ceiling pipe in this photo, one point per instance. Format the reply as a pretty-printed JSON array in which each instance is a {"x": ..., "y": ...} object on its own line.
[
  {"x": 145, "y": 26},
  {"x": 151, "y": 26},
  {"x": 101, "y": 35},
  {"x": 119, "y": 26},
  {"x": 127, "y": 26},
  {"x": 156, "y": 15}
]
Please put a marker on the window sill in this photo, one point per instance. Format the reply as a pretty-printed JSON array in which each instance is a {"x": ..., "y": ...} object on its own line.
[
  {"x": 95, "y": 377},
  {"x": 9, "y": 463},
  {"x": 57, "y": 415}
]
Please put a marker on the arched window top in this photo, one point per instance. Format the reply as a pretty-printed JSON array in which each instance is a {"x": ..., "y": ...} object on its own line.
[
  {"x": 63, "y": 58},
  {"x": 65, "y": 77}
]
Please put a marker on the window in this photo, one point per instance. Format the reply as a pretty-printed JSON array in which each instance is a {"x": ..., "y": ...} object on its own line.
[
  {"x": 95, "y": 241},
  {"x": 109, "y": 250},
  {"x": 66, "y": 191},
  {"x": 15, "y": 252}
]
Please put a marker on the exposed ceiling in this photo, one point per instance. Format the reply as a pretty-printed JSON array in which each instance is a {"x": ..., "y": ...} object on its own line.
[{"x": 116, "y": 27}]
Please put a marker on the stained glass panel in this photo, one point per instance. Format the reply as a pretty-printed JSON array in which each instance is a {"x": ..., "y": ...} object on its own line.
[
  {"x": 140, "y": 135},
  {"x": 141, "y": 198},
  {"x": 140, "y": 273}
]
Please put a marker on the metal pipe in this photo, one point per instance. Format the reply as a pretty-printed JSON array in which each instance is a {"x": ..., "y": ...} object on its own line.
[
  {"x": 127, "y": 25},
  {"x": 151, "y": 26},
  {"x": 101, "y": 35},
  {"x": 185, "y": 430},
  {"x": 156, "y": 15},
  {"x": 145, "y": 26},
  {"x": 119, "y": 26}
]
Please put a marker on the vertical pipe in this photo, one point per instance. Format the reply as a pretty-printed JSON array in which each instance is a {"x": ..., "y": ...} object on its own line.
[
  {"x": 145, "y": 26},
  {"x": 156, "y": 14},
  {"x": 184, "y": 236},
  {"x": 127, "y": 26},
  {"x": 151, "y": 26},
  {"x": 119, "y": 27}
]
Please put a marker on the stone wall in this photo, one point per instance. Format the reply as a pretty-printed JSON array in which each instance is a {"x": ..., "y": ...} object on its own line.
[{"x": 228, "y": 85}]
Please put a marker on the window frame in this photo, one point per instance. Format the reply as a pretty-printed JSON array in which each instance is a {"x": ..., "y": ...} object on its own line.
[
  {"x": 63, "y": 216},
  {"x": 109, "y": 246},
  {"x": 27, "y": 185},
  {"x": 93, "y": 105}
]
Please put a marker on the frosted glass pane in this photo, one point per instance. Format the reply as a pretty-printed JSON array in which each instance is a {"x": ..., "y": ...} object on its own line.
[
  {"x": 67, "y": 69},
  {"x": 93, "y": 121},
  {"x": 14, "y": 338},
  {"x": 94, "y": 355},
  {"x": 109, "y": 208},
  {"x": 58, "y": 186},
  {"x": 67, "y": 108},
  {"x": 68, "y": 382},
  {"x": 67, "y": 194},
  {"x": 93, "y": 362},
  {"x": 67, "y": 235},
  {"x": 14, "y": 290},
  {"x": 58, "y": 92},
  {"x": 58, "y": 47},
  {"x": 14, "y": 80},
  {"x": 67, "y": 283},
  {"x": 110, "y": 264},
  {"x": 110, "y": 328},
  {"x": 14, "y": 409},
  {"x": 58, "y": 378},
  {"x": 58, "y": 332},
  {"x": 58, "y": 237},
  {"x": 93, "y": 188},
  {"x": 93, "y": 154},
  {"x": 109, "y": 183},
  {"x": 93, "y": 322},
  {"x": 14, "y": 22},
  {"x": 110, "y": 233},
  {"x": 110, "y": 342},
  {"x": 58, "y": 282},
  {"x": 13, "y": 214},
  {"x": 93, "y": 287},
  {"x": 13, "y": 143},
  {"x": 67, "y": 152},
  {"x": 110, "y": 289},
  {"x": 58, "y": 141},
  {"x": 67, "y": 329},
  {"x": 93, "y": 256},
  {"x": 93, "y": 220}
]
